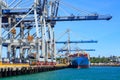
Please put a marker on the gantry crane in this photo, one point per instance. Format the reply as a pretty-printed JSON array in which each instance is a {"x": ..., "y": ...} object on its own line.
[
  {"x": 68, "y": 42},
  {"x": 32, "y": 29}
]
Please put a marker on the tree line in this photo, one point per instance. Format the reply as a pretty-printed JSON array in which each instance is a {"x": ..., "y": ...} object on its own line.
[{"x": 104, "y": 59}]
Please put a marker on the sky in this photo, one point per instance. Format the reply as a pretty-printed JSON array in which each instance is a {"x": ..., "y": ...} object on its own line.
[{"x": 105, "y": 32}]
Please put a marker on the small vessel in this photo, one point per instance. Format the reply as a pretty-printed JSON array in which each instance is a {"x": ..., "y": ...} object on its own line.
[{"x": 79, "y": 60}]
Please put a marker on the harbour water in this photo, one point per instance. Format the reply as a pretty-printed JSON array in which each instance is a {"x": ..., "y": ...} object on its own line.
[{"x": 92, "y": 73}]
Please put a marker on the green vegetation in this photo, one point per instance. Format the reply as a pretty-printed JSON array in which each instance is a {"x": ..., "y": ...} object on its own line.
[
  {"x": 99, "y": 60},
  {"x": 113, "y": 59}
]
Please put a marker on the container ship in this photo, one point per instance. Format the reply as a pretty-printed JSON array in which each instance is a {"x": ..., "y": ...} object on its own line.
[{"x": 79, "y": 60}]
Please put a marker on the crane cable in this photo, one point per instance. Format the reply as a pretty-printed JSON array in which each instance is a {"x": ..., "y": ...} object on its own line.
[
  {"x": 17, "y": 3},
  {"x": 29, "y": 2},
  {"x": 62, "y": 35},
  {"x": 12, "y": 3},
  {"x": 78, "y": 36},
  {"x": 72, "y": 7},
  {"x": 63, "y": 10}
]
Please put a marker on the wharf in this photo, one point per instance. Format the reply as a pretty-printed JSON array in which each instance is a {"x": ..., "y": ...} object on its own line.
[
  {"x": 105, "y": 64},
  {"x": 13, "y": 70}
]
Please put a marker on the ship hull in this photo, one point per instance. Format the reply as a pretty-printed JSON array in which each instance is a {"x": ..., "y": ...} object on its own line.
[
  {"x": 79, "y": 66},
  {"x": 80, "y": 62}
]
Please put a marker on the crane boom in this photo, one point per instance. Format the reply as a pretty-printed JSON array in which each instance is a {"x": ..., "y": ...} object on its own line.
[
  {"x": 68, "y": 18},
  {"x": 77, "y": 50},
  {"x": 64, "y": 42},
  {"x": 78, "y": 18},
  {"x": 53, "y": 19}
]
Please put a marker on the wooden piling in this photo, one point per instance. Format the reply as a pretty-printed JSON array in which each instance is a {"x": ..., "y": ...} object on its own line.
[{"x": 13, "y": 71}]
